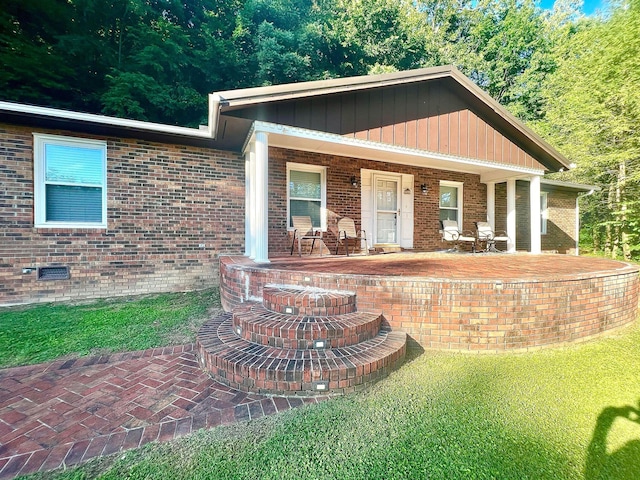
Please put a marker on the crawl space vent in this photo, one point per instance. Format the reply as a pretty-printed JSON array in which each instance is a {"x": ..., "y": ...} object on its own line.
[{"x": 53, "y": 273}]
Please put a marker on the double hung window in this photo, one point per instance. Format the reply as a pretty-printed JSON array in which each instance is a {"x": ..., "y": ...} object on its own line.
[
  {"x": 306, "y": 193},
  {"x": 70, "y": 182},
  {"x": 451, "y": 201}
]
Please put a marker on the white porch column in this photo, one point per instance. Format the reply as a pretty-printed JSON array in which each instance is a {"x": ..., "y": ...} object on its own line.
[
  {"x": 249, "y": 194},
  {"x": 261, "y": 198},
  {"x": 511, "y": 215},
  {"x": 534, "y": 214},
  {"x": 491, "y": 204}
]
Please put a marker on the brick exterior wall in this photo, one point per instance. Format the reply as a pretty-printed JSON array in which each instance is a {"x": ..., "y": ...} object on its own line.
[
  {"x": 561, "y": 222},
  {"x": 561, "y": 225},
  {"x": 164, "y": 202},
  {"x": 466, "y": 315},
  {"x": 343, "y": 199}
]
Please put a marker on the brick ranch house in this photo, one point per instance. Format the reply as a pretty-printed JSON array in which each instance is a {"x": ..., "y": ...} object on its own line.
[{"x": 93, "y": 206}]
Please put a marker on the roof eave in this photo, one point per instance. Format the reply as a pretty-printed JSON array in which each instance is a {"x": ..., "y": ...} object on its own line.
[
  {"x": 233, "y": 99},
  {"x": 18, "y": 109}
]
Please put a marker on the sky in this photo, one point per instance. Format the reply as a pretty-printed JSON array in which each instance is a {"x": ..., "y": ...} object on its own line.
[{"x": 589, "y": 7}]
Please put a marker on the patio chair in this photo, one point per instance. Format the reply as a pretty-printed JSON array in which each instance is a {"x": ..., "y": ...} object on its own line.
[
  {"x": 303, "y": 230},
  {"x": 451, "y": 234},
  {"x": 488, "y": 237},
  {"x": 347, "y": 232}
]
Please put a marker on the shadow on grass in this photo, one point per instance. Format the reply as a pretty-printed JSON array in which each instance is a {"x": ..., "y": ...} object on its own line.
[
  {"x": 414, "y": 350},
  {"x": 621, "y": 464}
]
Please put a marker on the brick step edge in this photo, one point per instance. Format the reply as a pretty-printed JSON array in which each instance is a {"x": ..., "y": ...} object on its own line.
[
  {"x": 311, "y": 301},
  {"x": 253, "y": 322},
  {"x": 248, "y": 367}
]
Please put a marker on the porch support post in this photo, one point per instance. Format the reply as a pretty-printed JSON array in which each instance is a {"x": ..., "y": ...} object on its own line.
[
  {"x": 534, "y": 214},
  {"x": 249, "y": 193},
  {"x": 491, "y": 204},
  {"x": 511, "y": 215},
  {"x": 262, "y": 198}
]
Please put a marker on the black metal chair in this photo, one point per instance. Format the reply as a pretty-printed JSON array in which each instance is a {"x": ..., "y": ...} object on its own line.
[{"x": 488, "y": 237}]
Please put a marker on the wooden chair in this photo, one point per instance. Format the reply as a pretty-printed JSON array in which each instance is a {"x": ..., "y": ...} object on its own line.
[
  {"x": 303, "y": 230},
  {"x": 452, "y": 234},
  {"x": 488, "y": 237},
  {"x": 347, "y": 232}
]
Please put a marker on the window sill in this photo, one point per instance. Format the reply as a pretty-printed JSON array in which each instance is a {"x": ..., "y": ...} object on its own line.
[{"x": 62, "y": 225}]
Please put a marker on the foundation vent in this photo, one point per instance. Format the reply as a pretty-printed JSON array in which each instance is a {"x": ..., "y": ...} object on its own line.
[{"x": 53, "y": 273}]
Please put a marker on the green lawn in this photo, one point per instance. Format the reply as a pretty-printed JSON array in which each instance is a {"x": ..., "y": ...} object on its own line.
[
  {"x": 565, "y": 413},
  {"x": 45, "y": 332}
]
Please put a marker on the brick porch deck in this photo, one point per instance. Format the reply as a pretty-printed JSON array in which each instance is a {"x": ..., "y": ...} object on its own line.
[
  {"x": 67, "y": 412},
  {"x": 481, "y": 302},
  {"x": 452, "y": 266}
]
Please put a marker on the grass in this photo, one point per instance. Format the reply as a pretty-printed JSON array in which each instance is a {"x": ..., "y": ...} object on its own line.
[
  {"x": 46, "y": 332},
  {"x": 569, "y": 413}
]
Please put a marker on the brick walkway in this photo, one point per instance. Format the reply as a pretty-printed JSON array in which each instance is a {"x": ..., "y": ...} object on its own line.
[{"x": 67, "y": 412}]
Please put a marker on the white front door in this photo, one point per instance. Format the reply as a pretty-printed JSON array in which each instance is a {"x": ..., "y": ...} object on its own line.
[{"x": 387, "y": 209}]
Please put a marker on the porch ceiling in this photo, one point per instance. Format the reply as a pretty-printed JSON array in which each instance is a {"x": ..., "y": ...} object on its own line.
[{"x": 331, "y": 144}]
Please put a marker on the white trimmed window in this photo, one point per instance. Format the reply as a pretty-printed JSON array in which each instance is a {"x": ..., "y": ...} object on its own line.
[
  {"x": 70, "y": 182},
  {"x": 544, "y": 213},
  {"x": 451, "y": 201},
  {"x": 307, "y": 193}
]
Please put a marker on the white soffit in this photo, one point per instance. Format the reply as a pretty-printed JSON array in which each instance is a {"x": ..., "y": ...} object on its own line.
[{"x": 296, "y": 138}]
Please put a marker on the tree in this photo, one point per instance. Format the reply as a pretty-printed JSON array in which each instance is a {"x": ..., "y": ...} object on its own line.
[
  {"x": 504, "y": 48},
  {"x": 379, "y": 32},
  {"x": 34, "y": 70},
  {"x": 169, "y": 58},
  {"x": 593, "y": 115}
]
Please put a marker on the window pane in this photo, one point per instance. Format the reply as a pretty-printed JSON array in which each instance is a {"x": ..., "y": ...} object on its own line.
[
  {"x": 73, "y": 204},
  {"x": 446, "y": 214},
  {"x": 71, "y": 164},
  {"x": 306, "y": 208},
  {"x": 448, "y": 196},
  {"x": 543, "y": 213},
  {"x": 387, "y": 195},
  {"x": 305, "y": 184}
]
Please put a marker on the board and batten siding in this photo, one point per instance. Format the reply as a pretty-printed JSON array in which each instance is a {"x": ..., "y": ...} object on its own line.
[{"x": 424, "y": 116}]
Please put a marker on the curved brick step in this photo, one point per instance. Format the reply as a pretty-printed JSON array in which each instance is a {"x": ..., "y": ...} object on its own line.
[
  {"x": 255, "y": 323},
  {"x": 307, "y": 301},
  {"x": 260, "y": 368}
]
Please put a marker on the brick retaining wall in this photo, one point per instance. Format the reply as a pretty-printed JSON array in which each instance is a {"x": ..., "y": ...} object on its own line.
[{"x": 469, "y": 315}]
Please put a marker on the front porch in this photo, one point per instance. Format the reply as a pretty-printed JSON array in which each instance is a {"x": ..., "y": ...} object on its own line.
[{"x": 485, "y": 303}]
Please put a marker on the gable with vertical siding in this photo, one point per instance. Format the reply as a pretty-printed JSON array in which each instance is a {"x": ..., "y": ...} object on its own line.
[{"x": 428, "y": 115}]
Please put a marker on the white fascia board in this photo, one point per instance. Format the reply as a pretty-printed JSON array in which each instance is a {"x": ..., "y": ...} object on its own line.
[
  {"x": 55, "y": 113},
  {"x": 339, "y": 140},
  {"x": 575, "y": 186}
]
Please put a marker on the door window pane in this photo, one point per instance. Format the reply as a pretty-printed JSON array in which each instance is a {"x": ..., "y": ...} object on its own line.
[{"x": 387, "y": 195}]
